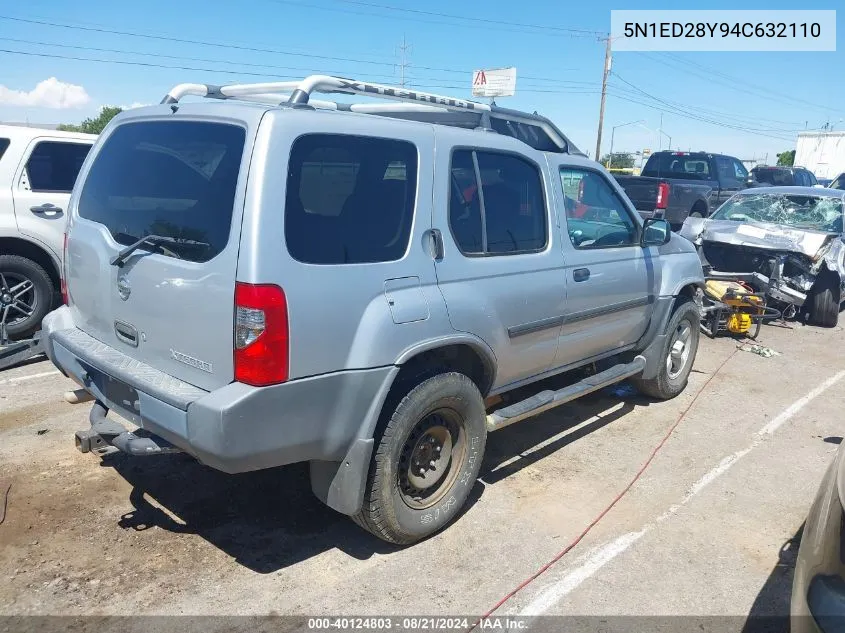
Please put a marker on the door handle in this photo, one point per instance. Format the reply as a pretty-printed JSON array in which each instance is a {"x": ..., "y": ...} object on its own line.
[
  {"x": 436, "y": 244},
  {"x": 581, "y": 274},
  {"x": 46, "y": 208}
]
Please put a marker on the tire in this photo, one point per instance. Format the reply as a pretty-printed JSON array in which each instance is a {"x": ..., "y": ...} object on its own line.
[
  {"x": 698, "y": 212},
  {"x": 674, "y": 370},
  {"x": 447, "y": 405},
  {"x": 824, "y": 306},
  {"x": 15, "y": 272}
]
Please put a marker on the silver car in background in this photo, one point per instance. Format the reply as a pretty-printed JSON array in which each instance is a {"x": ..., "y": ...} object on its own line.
[{"x": 818, "y": 589}]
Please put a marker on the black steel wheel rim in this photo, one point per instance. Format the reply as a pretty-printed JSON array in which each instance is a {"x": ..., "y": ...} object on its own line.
[{"x": 431, "y": 458}]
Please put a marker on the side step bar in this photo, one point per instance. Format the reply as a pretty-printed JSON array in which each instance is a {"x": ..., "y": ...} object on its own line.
[{"x": 548, "y": 399}]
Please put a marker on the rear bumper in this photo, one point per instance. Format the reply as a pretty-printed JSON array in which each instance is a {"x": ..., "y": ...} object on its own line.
[{"x": 236, "y": 428}]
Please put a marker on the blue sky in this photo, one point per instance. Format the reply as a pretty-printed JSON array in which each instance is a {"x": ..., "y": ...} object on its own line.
[{"x": 558, "y": 71}]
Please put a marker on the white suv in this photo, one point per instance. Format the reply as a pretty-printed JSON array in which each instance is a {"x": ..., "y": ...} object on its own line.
[{"x": 38, "y": 169}]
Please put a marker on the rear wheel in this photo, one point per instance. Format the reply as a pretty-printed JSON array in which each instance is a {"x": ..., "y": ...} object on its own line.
[
  {"x": 426, "y": 460},
  {"x": 698, "y": 211},
  {"x": 26, "y": 295},
  {"x": 678, "y": 354},
  {"x": 824, "y": 302}
]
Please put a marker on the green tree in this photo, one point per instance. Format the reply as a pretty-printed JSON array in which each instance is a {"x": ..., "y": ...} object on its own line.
[
  {"x": 95, "y": 125},
  {"x": 620, "y": 160},
  {"x": 787, "y": 158}
]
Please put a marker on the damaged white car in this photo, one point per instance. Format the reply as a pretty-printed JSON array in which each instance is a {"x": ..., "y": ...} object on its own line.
[{"x": 786, "y": 242}]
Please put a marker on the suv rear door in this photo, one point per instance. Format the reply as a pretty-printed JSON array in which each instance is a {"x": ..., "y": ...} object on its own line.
[
  {"x": 501, "y": 271},
  {"x": 42, "y": 186},
  {"x": 169, "y": 305}
]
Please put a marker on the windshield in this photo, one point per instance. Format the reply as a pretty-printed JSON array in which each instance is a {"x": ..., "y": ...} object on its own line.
[{"x": 805, "y": 212}]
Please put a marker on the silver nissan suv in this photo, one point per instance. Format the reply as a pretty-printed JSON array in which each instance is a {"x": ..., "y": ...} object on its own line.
[{"x": 258, "y": 278}]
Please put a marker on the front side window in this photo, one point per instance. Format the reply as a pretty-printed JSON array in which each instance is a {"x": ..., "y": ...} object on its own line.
[
  {"x": 725, "y": 168},
  {"x": 4, "y": 144},
  {"x": 740, "y": 171},
  {"x": 350, "y": 199},
  {"x": 506, "y": 214},
  {"x": 596, "y": 217},
  {"x": 53, "y": 167}
]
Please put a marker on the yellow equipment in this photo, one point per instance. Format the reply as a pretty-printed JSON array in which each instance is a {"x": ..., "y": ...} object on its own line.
[{"x": 731, "y": 306}]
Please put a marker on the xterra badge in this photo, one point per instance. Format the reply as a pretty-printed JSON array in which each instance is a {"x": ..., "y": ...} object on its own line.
[{"x": 190, "y": 360}]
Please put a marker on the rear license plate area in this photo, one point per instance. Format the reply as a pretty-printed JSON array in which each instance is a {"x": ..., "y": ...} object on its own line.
[{"x": 118, "y": 394}]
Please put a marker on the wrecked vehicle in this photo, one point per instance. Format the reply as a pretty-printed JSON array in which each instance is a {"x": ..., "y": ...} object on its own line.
[{"x": 785, "y": 242}]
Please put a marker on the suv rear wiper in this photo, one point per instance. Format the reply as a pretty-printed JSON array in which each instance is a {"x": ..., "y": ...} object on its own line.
[{"x": 152, "y": 240}]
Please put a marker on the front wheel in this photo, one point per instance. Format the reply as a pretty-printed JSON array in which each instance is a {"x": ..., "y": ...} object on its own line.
[
  {"x": 677, "y": 356},
  {"x": 426, "y": 460},
  {"x": 823, "y": 302}
]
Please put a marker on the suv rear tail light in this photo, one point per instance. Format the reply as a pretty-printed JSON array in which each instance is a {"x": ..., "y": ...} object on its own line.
[
  {"x": 261, "y": 334},
  {"x": 63, "y": 280},
  {"x": 662, "y": 195}
]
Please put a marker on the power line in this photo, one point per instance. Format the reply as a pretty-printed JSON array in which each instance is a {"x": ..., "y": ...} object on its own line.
[
  {"x": 305, "y": 70},
  {"x": 491, "y": 25},
  {"x": 683, "y": 109},
  {"x": 731, "y": 82},
  {"x": 690, "y": 115},
  {"x": 473, "y": 19},
  {"x": 747, "y": 83},
  {"x": 723, "y": 116},
  {"x": 239, "y": 72},
  {"x": 243, "y": 47}
]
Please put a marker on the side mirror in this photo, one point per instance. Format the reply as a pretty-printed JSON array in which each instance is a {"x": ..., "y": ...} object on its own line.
[{"x": 656, "y": 232}]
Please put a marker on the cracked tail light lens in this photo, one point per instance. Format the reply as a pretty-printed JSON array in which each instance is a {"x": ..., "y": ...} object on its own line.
[{"x": 261, "y": 334}]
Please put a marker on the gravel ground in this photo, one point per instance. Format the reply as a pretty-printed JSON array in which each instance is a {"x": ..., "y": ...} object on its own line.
[{"x": 710, "y": 529}]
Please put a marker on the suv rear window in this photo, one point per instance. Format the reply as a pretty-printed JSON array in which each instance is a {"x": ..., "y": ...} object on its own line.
[
  {"x": 777, "y": 177},
  {"x": 689, "y": 166},
  {"x": 170, "y": 178},
  {"x": 350, "y": 199}
]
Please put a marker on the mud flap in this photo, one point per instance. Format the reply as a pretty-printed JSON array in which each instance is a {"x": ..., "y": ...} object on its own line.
[{"x": 340, "y": 485}]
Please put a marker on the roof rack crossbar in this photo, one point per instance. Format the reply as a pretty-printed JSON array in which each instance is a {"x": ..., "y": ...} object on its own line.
[{"x": 298, "y": 93}]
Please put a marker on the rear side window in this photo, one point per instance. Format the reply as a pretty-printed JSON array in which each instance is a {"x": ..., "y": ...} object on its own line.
[
  {"x": 53, "y": 167},
  {"x": 4, "y": 144},
  {"x": 508, "y": 215},
  {"x": 350, "y": 199},
  {"x": 170, "y": 178}
]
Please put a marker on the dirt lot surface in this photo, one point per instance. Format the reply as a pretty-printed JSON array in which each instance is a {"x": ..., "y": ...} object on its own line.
[{"x": 710, "y": 529}]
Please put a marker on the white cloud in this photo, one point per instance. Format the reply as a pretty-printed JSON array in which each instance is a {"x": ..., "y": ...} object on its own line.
[{"x": 50, "y": 93}]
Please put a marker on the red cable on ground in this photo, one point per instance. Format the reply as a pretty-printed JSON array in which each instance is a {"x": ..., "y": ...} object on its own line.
[{"x": 616, "y": 500}]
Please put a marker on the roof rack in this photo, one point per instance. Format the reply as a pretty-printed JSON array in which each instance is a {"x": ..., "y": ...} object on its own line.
[{"x": 534, "y": 130}]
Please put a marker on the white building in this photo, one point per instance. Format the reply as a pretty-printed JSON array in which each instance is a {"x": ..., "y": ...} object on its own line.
[{"x": 823, "y": 153}]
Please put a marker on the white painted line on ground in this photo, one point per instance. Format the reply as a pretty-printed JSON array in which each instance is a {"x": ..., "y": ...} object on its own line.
[
  {"x": 17, "y": 379},
  {"x": 603, "y": 554}
]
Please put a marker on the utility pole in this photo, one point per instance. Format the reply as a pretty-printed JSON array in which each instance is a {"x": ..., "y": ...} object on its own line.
[
  {"x": 607, "y": 61},
  {"x": 660, "y": 129},
  {"x": 403, "y": 60}
]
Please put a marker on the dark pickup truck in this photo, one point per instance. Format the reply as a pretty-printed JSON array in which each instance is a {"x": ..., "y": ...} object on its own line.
[{"x": 675, "y": 185}]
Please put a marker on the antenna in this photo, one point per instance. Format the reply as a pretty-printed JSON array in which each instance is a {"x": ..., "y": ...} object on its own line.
[{"x": 404, "y": 49}]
